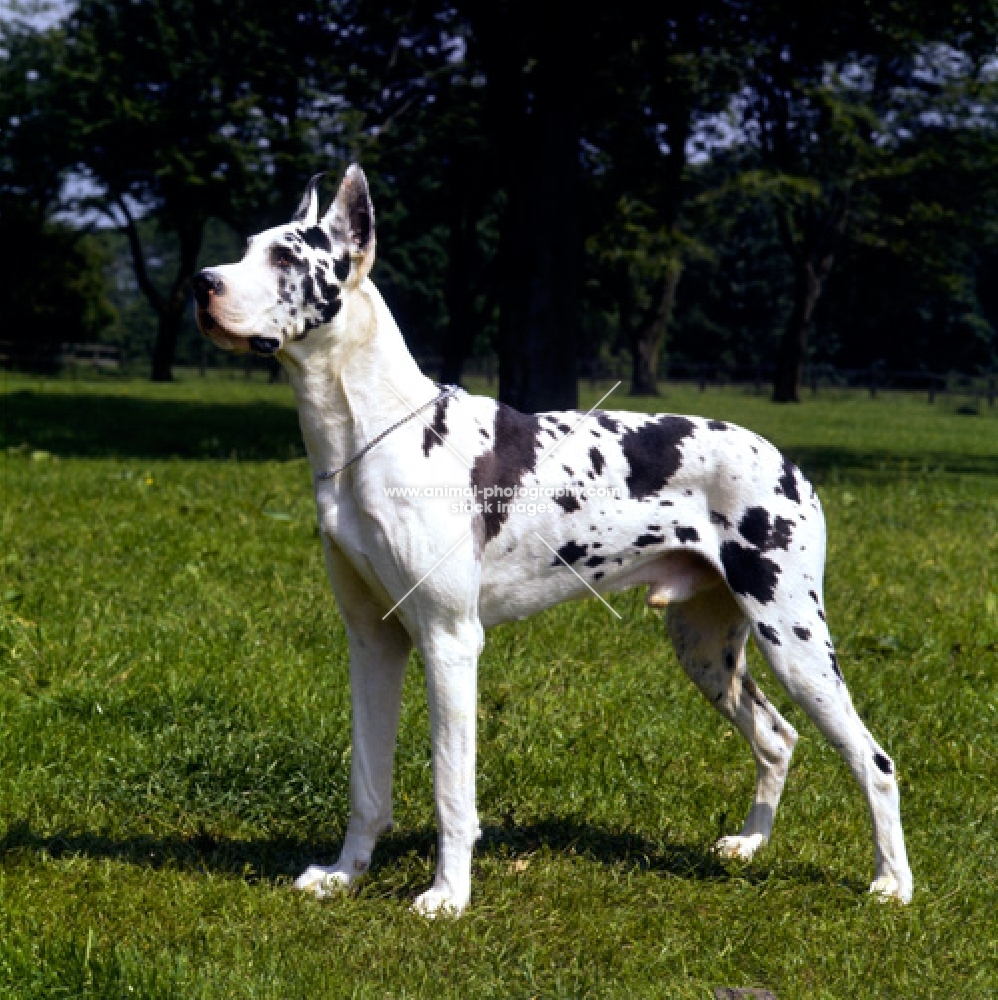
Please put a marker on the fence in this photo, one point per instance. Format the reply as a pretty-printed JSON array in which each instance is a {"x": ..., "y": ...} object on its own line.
[{"x": 757, "y": 378}]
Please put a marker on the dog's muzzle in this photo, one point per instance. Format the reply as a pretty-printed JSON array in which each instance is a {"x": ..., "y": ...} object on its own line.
[{"x": 205, "y": 285}]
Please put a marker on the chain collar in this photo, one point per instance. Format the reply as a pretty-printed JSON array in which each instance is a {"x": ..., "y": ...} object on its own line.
[{"x": 446, "y": 392}]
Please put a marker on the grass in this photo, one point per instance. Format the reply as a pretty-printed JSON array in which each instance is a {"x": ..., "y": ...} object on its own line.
[{"x": 174, "y": 737}]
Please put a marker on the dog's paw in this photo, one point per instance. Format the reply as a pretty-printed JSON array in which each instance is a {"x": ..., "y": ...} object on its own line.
[
  {"x": 888, "y": 887},
  {"x": 740, "y": 848},
  {"x": 439, "y": 903},
  {"x": 323, "y": 882}
]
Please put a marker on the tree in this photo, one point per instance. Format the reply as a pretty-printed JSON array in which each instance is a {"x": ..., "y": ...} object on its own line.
[
  {"x": 816, "y": 104},
  {"x": 51, "y": 286},
  {"x": 182, "y": 111},
  {"x": 654, "y": 84},
  {"x": 534, "y": 62}
]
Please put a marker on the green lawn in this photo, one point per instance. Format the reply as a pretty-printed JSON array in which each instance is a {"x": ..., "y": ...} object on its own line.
[{"x": 174, "y": 738}]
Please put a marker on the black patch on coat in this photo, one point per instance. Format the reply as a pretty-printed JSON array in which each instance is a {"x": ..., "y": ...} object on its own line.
[
  {"x": 567, "y": 503},
  {"x": 642, "y": 540},
  {"x": 598, "y": 576},
  {"x": 835, "y": 666},
  {"x": 570, "y": 552},
  {"x": 716, "y": 517},
  {"x": 596, "y": 457},
  {"x": 513, "y": 454},
  {"x": 328, "y": 299},
  {"x": 756, "y": 529},
  {"x": 317, "y": 239},
  {"x": 883, "y": 763},
  {"x": 769, "y": 633},
  {"x": 564, "y": 428},
  {"x": 593, "y": 561},
  {"x": 685, "y": 534},
  {"x": 749, "y": 572},
  {"x": 436, "y": 431},
  {"x": 607, "y": 422},
  {"x": 653, "y": 453},
  {"x": 802, "y": 633},
  {"x": 788, "y": 482},
  {"x": 717, "y": 425},
  {"x": 341, "y": 267}
]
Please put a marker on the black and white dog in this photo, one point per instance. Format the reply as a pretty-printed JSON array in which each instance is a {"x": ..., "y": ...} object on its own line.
[{"x": 467, "y": 514}]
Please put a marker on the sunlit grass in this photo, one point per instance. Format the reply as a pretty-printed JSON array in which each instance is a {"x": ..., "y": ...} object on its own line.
[{"x": 174, "y": 738}]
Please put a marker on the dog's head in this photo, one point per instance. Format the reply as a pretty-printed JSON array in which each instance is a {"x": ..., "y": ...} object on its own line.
[{"x": 292, "y": 278}]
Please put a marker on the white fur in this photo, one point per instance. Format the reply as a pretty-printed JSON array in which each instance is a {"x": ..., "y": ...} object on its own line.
[{"x": 353, "y": 377}]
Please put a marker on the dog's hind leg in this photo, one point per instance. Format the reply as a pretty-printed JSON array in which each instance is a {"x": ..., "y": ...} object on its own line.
[
  {"x": 794, "y": 638},
  {"x": 379, "y": 651},
  {"x": 709, "y": 633}
]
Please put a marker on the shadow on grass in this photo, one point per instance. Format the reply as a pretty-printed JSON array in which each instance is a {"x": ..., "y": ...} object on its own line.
[
  {"x": 102, "y": 426},
  {"x": 96, "y": 426},
  {"x": 278, "y": 859},
  {"x": 829, "y": 463}
]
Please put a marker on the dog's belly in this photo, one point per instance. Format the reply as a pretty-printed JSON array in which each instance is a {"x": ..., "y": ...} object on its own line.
[{"x": 546, "y": 559}]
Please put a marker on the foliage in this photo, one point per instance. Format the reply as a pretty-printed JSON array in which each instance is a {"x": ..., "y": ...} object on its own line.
[
  {"x": 600, "y": 190},
  {"x": 51, "y": 287}
]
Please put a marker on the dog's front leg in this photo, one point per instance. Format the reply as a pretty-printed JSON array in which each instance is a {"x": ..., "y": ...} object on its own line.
[
  {"x": 450, "y": 653},
  {"x": 379, "y": 651}
]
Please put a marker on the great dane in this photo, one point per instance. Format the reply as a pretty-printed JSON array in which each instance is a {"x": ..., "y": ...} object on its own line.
[{"x": 444, "y": 513}]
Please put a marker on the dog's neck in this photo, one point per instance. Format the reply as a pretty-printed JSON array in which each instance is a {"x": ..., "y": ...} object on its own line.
[{"x": 353, "y": 379}]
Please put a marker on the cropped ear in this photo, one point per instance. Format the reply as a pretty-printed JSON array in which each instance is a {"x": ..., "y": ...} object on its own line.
[
  {"x": 307, "y": 211},
  {"x": 350, "y": 219}
]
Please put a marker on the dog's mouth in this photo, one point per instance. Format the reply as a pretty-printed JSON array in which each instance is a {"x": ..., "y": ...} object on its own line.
[
  {"x": 265, "y": 346},
  {"x": 217, "y": 333}
]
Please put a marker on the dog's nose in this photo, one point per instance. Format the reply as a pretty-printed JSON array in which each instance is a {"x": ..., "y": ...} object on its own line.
[{"x": 206, "y": 284}]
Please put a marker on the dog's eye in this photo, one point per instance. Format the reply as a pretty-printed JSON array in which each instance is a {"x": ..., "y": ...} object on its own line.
[{"x": 282, "y": 257}]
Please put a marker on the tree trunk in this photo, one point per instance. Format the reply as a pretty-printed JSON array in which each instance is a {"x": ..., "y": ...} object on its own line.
[
  {"x": 646, "y": 339},
  {"x": 174, "y": 307},
  {"x": 167, "y": 335},
  {"x": 540, "y": 250},
  {"x": 459, "y": 334},
  {"x": 813, "y": 254},
  {"x": 808, "y": 278},
  {"x": 169, "y": 308}
]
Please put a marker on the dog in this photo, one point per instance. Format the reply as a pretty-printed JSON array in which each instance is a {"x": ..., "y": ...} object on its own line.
[{"x": 443, "y": 513}]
